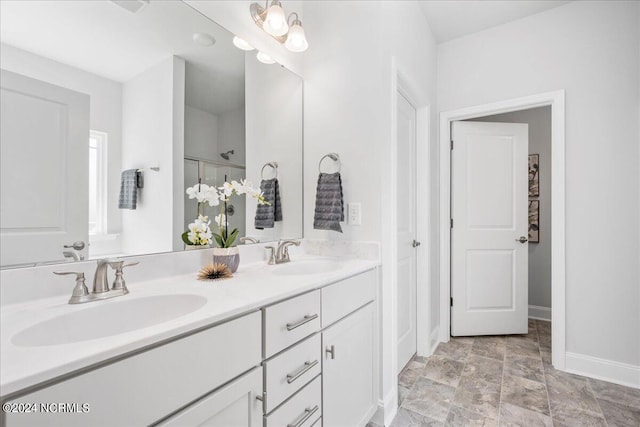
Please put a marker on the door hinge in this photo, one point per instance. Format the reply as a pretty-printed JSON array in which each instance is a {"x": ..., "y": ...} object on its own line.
[
  {"x": 452, "y": 144},
  {"x": 451, "y": 301},
  {"x": 451, "y": 222}
]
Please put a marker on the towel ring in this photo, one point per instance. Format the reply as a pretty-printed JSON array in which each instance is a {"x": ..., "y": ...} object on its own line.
[
  {"x": 273, "y": 165},
  {"x": 333, "y": 156}
]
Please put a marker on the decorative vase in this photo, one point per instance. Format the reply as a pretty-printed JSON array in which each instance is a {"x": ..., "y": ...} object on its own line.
[
  {"x": 228, "y": 256},
  {"x": 194, "y": 247}
]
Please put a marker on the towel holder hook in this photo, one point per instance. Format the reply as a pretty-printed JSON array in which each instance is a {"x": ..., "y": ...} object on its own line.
[
  {"x": 333, "y": 156},
  {"x": 273, "y": 165}
]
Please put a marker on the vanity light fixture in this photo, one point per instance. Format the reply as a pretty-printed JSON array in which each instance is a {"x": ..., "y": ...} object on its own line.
[
  {"x": 264, "y": 58},
  {"x": 241, "y": 44},
  {"x": 274, "y": 22}
]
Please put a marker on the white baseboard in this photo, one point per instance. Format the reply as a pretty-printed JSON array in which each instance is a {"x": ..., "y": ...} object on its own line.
[
  {"x": 603, "y": 369},
  {"x": 389, "y": 407},
  {"x": 433, "y": 340},
  {"x": 540, "y": 313}
]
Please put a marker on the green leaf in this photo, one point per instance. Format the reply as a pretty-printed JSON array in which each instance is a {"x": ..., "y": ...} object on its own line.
[
  {"x": 185, "y": 239},
  {"x": 232, "y": 238},
  {"x": 218, "y": 239}
]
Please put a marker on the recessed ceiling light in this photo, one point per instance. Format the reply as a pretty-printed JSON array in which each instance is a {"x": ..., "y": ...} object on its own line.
[
  {"x": 264, "y": 58},
  {"x": 203, "y": 39},
  {"x": 241, "y": 44}
]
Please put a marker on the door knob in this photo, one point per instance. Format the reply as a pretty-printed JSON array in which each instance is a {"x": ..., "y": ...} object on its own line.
[
  {"x": 415, "y": 244},
  {"x": 522, "y": 239},
  {"x": 78, "y": 246}
]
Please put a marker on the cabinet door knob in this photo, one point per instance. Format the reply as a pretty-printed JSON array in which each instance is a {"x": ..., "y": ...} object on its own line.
[
  {"x": 522, "y": 239},
  {"x": 332, "y": 351}
]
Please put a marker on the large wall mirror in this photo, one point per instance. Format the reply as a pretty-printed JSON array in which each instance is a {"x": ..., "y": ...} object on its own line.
[{"x": 107, "y": 106}]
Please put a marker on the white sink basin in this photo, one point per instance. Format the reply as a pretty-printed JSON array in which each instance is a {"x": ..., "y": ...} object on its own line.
[
  {"x": 112, "y": 318},
  {"x": 309, "y": 266}
]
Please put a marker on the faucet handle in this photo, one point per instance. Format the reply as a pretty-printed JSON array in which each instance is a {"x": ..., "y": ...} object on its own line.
[
  {"x": 80, "y": 291},
  {"x": 272, "y": 254},
  {"x": 118, "y": 266}
]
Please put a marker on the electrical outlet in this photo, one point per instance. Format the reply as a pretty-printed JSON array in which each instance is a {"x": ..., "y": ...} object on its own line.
[{"x": 354, "y": 213}]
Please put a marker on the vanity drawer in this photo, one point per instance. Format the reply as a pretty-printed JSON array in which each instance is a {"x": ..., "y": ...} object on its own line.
[
  {"x": 302, "y": 410},
  {"x": 346, "y": 296},
  {"x": 289, "y": 371},
  {"x": 290, "y": 321}
]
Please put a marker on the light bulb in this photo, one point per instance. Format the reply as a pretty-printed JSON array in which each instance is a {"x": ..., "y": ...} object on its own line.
[
  {"x": 296, "y": 39},
  {"x": 264, "y": 58},
  {"x": 241, "y": 44},
  {"x": 276, "y": 22}
]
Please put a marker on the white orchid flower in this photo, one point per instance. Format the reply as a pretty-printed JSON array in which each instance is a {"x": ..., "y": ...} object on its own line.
[{"x": 221, "y": 220}]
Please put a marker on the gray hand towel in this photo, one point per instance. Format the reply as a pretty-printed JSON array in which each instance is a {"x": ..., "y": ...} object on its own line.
[
  {"x": 266, "y": 215},
  {"x": 329, "y": 203},
  {"x": 128, "y": 189}
]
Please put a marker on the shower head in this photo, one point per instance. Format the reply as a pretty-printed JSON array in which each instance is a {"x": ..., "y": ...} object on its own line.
[{"x": 226, "y": 155}]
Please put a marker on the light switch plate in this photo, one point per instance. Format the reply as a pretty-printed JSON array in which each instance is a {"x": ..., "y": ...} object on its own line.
[{"x": 354, "y": 213}]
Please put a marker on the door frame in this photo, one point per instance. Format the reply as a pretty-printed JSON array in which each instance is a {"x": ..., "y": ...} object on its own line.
[
  {"x": 556, "y": 100},
  {"x": 388, "y": 315}
]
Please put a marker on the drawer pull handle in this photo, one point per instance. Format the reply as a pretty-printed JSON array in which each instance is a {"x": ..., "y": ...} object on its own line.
[
  {"x": 305, "y": 319},
  {"x": 307, "y": 366},
  {"x": 304, "y": 417},
  {"x": 332, "y": 351}
]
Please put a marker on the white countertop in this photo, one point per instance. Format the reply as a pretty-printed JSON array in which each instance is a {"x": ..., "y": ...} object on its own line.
[{"x": 253, "y": 286}]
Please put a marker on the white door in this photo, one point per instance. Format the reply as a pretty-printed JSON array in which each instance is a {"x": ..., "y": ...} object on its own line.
[
  {"x": 489, "y": 217},
  {"x": 348, "y": 394},
  {"x": 406, "y": 228},
  {"x": 45, "y": 169}
]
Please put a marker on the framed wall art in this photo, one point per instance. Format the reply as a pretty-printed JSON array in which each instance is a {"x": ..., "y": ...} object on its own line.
[
  {"x": 534, "y": 175},
  {"x": 534, "y": 221}
]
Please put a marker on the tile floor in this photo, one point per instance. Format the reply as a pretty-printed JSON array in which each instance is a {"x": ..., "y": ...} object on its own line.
[{"x": 507, "y": 381}]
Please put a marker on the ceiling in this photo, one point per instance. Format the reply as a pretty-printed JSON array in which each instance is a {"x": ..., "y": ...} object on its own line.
[
  {"x": 452, "y": 19},
  {"x": 105, "y": 39}
]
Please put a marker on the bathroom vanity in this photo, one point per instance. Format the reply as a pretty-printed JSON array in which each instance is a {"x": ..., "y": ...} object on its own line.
[{"x": 290, "y": 345}]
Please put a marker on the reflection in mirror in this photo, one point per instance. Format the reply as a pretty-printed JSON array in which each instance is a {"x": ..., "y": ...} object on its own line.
[{"x": 91, "y": 90}]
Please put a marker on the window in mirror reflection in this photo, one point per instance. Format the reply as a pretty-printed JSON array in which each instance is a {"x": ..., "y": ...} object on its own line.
[{"x": 97, "y": 183}]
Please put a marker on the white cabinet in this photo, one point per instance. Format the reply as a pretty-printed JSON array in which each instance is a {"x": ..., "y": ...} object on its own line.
[
  {"x": 348, "y": 391},
  {"x": 148, "y": 386},
  {"x": 234, "y": 405}
]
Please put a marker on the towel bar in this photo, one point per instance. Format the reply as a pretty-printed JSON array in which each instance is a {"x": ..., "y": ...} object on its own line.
[
  {"x": 333, "y": 156},
  {"x": 273, "y": 165}
]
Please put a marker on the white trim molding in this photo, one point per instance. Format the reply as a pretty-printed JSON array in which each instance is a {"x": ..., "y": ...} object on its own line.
[
  {"x": 557, "y": 103},
  {"x": 540, "y": 313},
  {"x": 602, "y": 369},
  {"x": 433, "y": 340}
]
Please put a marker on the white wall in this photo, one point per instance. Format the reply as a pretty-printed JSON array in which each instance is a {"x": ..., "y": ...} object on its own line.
[
  {"x": 591, "y": 50},
  {"x": 153, "y": 111},
  {"x": 539, "y": 121},
  {"x": 348, "y": 109},
  {"x": 105, "y": 104},
  {"x": 201, "y": 134},
  {"x": 274, "y": 134},
  {"x": 232, "y": 135}
]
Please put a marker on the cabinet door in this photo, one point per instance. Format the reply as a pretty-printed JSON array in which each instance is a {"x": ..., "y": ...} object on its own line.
[
  {"x": 348, "y": 370},
  {"x": 234, "y": 405}
]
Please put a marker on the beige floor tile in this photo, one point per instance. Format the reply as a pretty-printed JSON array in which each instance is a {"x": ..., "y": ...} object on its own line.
[
  {"x": 478, "y": 396},
  {"x": 515, "y": 416},
  {"x": 443, "y": 370},
  {"x": 525, "y": 393}
]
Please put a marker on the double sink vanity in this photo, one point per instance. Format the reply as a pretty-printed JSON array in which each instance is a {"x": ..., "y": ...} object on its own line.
[{"x": 284, "y": 345}]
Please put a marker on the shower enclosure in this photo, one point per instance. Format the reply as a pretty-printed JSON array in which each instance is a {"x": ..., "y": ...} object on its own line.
[{"x": 214, "y": 174}]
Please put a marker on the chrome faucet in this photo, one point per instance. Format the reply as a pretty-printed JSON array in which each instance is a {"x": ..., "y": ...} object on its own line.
[
  {"x": 101, "y": 288},
  {"x": 249, "y": 239},
  {"x": 75, "y": 255},
  {"x": 100, "y": 282},
  {"x": 281, "y": 254}
]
